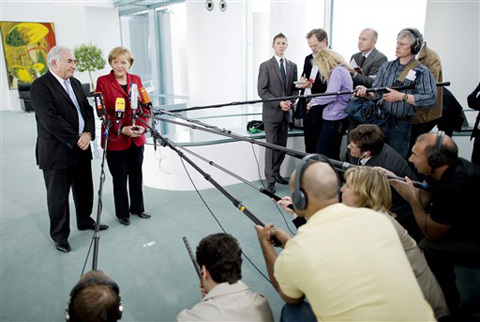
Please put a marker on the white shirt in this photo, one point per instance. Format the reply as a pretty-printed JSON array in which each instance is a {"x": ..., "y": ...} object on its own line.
[{"x": 278, "y": 62}]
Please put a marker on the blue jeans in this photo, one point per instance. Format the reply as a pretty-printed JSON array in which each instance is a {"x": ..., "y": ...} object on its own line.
[
  {"x": 297, "y": 312},
  {"x": 398, "y": 134}
]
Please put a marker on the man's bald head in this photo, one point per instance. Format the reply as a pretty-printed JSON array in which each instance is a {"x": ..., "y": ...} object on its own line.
[
  {"x": 448, "y": 149},
  {"x": 425, "y": 147},
  {"x": 320, "y": 184}
]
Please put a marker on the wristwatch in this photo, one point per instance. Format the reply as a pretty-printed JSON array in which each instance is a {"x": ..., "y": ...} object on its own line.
[{"x": 405, "y": 98}]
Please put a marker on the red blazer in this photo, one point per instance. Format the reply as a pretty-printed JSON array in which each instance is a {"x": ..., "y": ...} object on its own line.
[{"x": 111, "y": 90}]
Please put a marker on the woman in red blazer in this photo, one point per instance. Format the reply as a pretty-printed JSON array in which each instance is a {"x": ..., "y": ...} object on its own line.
[{"x": 126, "y": 140}]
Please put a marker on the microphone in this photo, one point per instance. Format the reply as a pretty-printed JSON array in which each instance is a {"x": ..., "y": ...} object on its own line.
[
  {"x": 145, "y": 98},
  {"x": 98, "y": 97},
  {"x": 133, "y": 101},
  {"x": 119, "y": 110},
  {"x": 147, "y": 103}
]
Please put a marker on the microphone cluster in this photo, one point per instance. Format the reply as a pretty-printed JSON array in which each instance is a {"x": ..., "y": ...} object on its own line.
[{"x": 120, "y": 104}]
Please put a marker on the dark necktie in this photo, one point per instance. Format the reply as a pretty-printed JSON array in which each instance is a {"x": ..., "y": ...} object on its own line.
[
  {"x": 362, "y": 61},
  {"x": 284, "y": 75}
]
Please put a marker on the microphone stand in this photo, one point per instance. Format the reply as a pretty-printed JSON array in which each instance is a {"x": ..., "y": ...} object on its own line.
[
  {"x": 237, "y": 203},
  {"x": 96, "y": 235},
  {"x": 287, "y": 98},
  {"x": 294, "y": 153}
]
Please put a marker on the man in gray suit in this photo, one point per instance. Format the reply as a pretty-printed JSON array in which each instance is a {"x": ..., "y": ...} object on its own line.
[
  {"x": 276, "y": 79},
  {"x": 369, "y": 59}
]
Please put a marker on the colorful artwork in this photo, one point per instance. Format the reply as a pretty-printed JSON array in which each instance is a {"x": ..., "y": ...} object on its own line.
[{"x": 26, "y": 45}]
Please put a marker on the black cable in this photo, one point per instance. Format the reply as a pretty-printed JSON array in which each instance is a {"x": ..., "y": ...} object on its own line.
[
  {"x": 88, "y": 254},
  {"x": 218, "y": 222},
  {"x": 258, "y": 166},
  {"x": 276, "y": 205}
]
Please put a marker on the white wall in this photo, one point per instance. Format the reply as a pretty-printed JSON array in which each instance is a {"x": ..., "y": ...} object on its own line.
[
  {"x": 74, "y": 22},
  {"x": 452, "y": 29},
  {"x": 215, "y": 56},
  {"x": 380, "y": 15}
]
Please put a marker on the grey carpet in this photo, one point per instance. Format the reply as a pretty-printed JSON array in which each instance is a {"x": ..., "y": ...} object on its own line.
[{"x": 156, "y": 282}]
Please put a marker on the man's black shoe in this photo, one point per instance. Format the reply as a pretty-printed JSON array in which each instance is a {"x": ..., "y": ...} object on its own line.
[
  {"x": 63, "y": 246},
  {"x": 271, "y": 187},
  {"x": 142, "y": 214},
  {"x": 92, "y": 227},
  {"x": 280, "y": 180},
  {"x": 124, "y": 221}
]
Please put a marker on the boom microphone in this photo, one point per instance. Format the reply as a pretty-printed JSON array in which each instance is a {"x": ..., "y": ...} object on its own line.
[
  {"x": 100, "y": 106},
  {"x": 119, "y": 110}
]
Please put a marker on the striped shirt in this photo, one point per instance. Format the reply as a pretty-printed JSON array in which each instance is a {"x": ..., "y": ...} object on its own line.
[{"x": 424, "y": 93}]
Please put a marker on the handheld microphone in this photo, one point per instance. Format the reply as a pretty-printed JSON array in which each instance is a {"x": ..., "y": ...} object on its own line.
[
  {"x": 145, "y": 98},
  {"x": 148, "y": 104},
  {"x": 99, "y": 105},
  {"x": 119, "y": 110},
  {"x": 133, "y": 101}
]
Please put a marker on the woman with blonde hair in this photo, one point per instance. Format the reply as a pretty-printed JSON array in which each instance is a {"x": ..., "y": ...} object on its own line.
[
  {"x": 335, "y": 71},
  {"x": 368, "y": 187},
  {"x": 126, "y": 139}
]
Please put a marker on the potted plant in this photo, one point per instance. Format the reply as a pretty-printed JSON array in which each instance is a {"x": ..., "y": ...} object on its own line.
[{"x": 89, "y": 58}]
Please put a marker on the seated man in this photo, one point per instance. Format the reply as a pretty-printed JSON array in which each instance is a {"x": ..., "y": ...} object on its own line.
[
  {"x": 95, "y": 298},
  {"x": 446, "y": 213},
  {"x": 225, "y": 296},
  {"x": 348, "y": 262},
  {"x": 367, "y": 147}
]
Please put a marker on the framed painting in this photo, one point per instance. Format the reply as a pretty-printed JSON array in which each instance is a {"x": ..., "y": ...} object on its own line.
[{"x": 26, "y": 45}]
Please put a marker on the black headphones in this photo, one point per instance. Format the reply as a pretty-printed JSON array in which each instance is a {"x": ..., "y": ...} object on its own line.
[
  {"x": 435, "y": 160},
  {"x": 299, "y": 197},
  {"x": 417, "y": 44},
  {"x": 70, "y": 315}
]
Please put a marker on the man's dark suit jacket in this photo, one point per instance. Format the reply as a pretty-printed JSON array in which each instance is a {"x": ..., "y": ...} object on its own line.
[
  {"x": 57, "y": 123},
  {"x": 389, "y": 159},
  {"x": 370, "y": 67},
  {"x": 317, "y": 87},
  {"x": 270, "y": 85}
]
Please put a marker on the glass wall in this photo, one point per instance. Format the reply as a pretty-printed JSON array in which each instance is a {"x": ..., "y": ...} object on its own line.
[{"x": 157, "y": 39}]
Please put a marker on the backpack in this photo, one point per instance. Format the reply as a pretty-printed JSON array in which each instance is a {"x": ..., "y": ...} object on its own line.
[
  {"x": 365, "y": 111},
  {"x": 255, "y": 126}
]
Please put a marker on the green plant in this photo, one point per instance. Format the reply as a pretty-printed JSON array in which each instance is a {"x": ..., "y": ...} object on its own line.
[{"x": 89, "y": 58}]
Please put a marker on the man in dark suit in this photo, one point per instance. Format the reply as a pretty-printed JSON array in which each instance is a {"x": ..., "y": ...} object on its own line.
[
  {"x": 312, "y": 84},
  {"x": 367, "y": 147},
  {"x": 474, "y": 102},
  {"x": 65, "y": 127},
  {"x": 276, "y": 79},
  {"x": 368, "y": 60}
]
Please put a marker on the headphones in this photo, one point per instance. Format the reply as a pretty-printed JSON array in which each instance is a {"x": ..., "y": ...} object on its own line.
[
  {"x": 417, "y": 44},
  {"x": 435, "y": 160},
  {"x": 70, "y": 314},
  {"x": 299, "y": 197}
]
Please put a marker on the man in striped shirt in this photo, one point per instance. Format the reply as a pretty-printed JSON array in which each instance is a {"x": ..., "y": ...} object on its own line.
[{"x": 402, "y": 106}]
